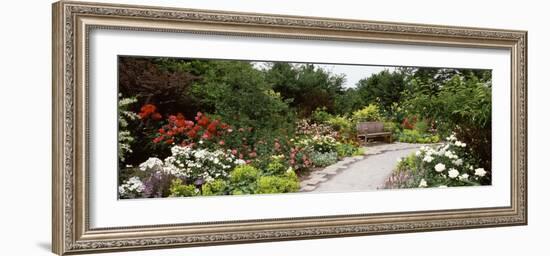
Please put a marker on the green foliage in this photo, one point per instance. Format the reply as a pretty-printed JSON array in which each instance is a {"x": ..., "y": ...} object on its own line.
[
  {"x": 300, "y": 83},
  {"x": 384, "y": 88},
  {"x": 179, "y": 189},
  {"x": 392, "y": 127},
  {"x": 320, "y": 159},
  {"x": 343, "y": 126},
  {"x": 277, "y": 184},
  {"x": 461, "y": 103},
  {"x": 243, "y": 179},
  {"x": 276, "y": 167},
  {"x": 239, "y": 94},
  {"x": 320, "y": 115},
  {"x": 368, "y": 113},
  {"x": 421, "y": 126},
  {"x": 345, "y": 149},
  {"x": 414, "y": 136},
  {"x": 215, "y": 187}
]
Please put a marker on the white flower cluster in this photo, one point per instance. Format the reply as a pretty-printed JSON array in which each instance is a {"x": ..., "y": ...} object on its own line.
[
  {"x": 187, "y": 162},
  {"x": 152, "y": 164},
  {"x": 446, "y": 160},
  {"x": 133, "y": 187}
]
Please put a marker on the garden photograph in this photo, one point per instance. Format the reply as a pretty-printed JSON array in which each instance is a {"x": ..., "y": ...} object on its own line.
[{"x": 206, "y": 127}]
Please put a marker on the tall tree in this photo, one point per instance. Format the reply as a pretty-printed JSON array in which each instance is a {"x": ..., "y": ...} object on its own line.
[
  {"x": 384, "y": 88},
  {"x": 307, "y": 86}
]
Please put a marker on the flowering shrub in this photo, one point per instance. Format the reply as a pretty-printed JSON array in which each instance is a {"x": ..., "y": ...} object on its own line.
[
  {"x": 304, "y": 127},
  {"x": 149, "y": 111},
  {"x": 299, "y": 158},
  {"x": 193, "y": 164},
  {"x": 187, "y": 165},
  {"x": 409, "y": 122},
  {"x": 132, "y": 188},
  {"x": 322, "y": 144},
  {"x": 180, "y": 130},
  {"x": 157, "y": 184},
  {"x": 449, "y": 164},
  {"x": 125, "y": 116},
  {"x": 320, "y": 159}
]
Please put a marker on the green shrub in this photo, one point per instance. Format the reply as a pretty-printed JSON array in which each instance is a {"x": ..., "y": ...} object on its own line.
[
  {"x": 460, "y": 103},
  {"x": 421, "y": 126},
  {"x": 178, "y": 189},
  {"x": 368, "y": 113},
  {"x": 277, "y": 184},
  {"x": 320, "y": 115},
  {"x": 243, "y": 179},
  {"x": 320, "y": 159},
  {"x": 345, "y": 149},
  {"x": 276, "y": 166},
  {"x": 391, "y": 127},
  {"x": 339, "y": 123},
  {"x": 414, "y": 136},
  {"x": 213, "y": 188}
]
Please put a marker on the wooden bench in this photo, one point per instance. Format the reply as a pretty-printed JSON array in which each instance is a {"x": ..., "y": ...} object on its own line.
[{"x": 368, "y": 130}]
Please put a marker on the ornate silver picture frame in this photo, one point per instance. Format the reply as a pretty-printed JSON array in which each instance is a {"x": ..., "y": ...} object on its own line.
[{"x": 74, "y": 21}]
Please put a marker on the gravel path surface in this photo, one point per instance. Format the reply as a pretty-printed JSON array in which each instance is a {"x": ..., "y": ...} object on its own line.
[{"x": 369, "y": 172}]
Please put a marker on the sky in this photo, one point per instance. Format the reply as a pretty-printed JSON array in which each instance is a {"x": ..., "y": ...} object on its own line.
[{"x": 353, "y": 73}]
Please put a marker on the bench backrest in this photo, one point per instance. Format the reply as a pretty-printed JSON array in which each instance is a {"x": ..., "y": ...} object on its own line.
[{"x": 370, "y": 127}]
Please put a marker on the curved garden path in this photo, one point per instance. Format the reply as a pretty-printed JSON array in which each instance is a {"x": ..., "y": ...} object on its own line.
[{"x": 368, "y": 172}]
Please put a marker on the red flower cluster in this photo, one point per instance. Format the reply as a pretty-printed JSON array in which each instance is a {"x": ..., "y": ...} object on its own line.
[
  {"x": 409, "y": 123},
  {"x": 149, "y": 110},
  {"x": 186, "y": 132}
]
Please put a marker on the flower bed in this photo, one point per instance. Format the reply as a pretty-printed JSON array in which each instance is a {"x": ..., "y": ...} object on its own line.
[{"x": 210, "y": 157}]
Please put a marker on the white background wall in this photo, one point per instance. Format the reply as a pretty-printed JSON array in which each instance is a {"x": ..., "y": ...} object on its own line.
[{"x": 25, "y": 118}]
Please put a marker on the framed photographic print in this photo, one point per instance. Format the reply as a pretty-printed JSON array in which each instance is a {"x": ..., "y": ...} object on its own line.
[{"x": 179, "y": 127}]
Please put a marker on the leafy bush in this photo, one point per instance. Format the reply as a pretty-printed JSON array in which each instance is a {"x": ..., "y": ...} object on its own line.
[
  {"x": 459, "y": 103},
  {"x": 414, "y": 136},
  {"x": 391, "y": 127},
  {"x": 321, "y": 159},
  {"x": 243, "y": 179},
  {"x": 277, "y": 184},
  {"x": 368, "y": 113},
  {"x": 344, "y": 150},
  {"x": 342, "y": 125},
  {"x": 421, "y": 126},
  {"x": 320, "y": 115},
  {"x": 179, "y": 189},
  {"x": 276, "y": 166},
  {"x": 215, "y": 187}
]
